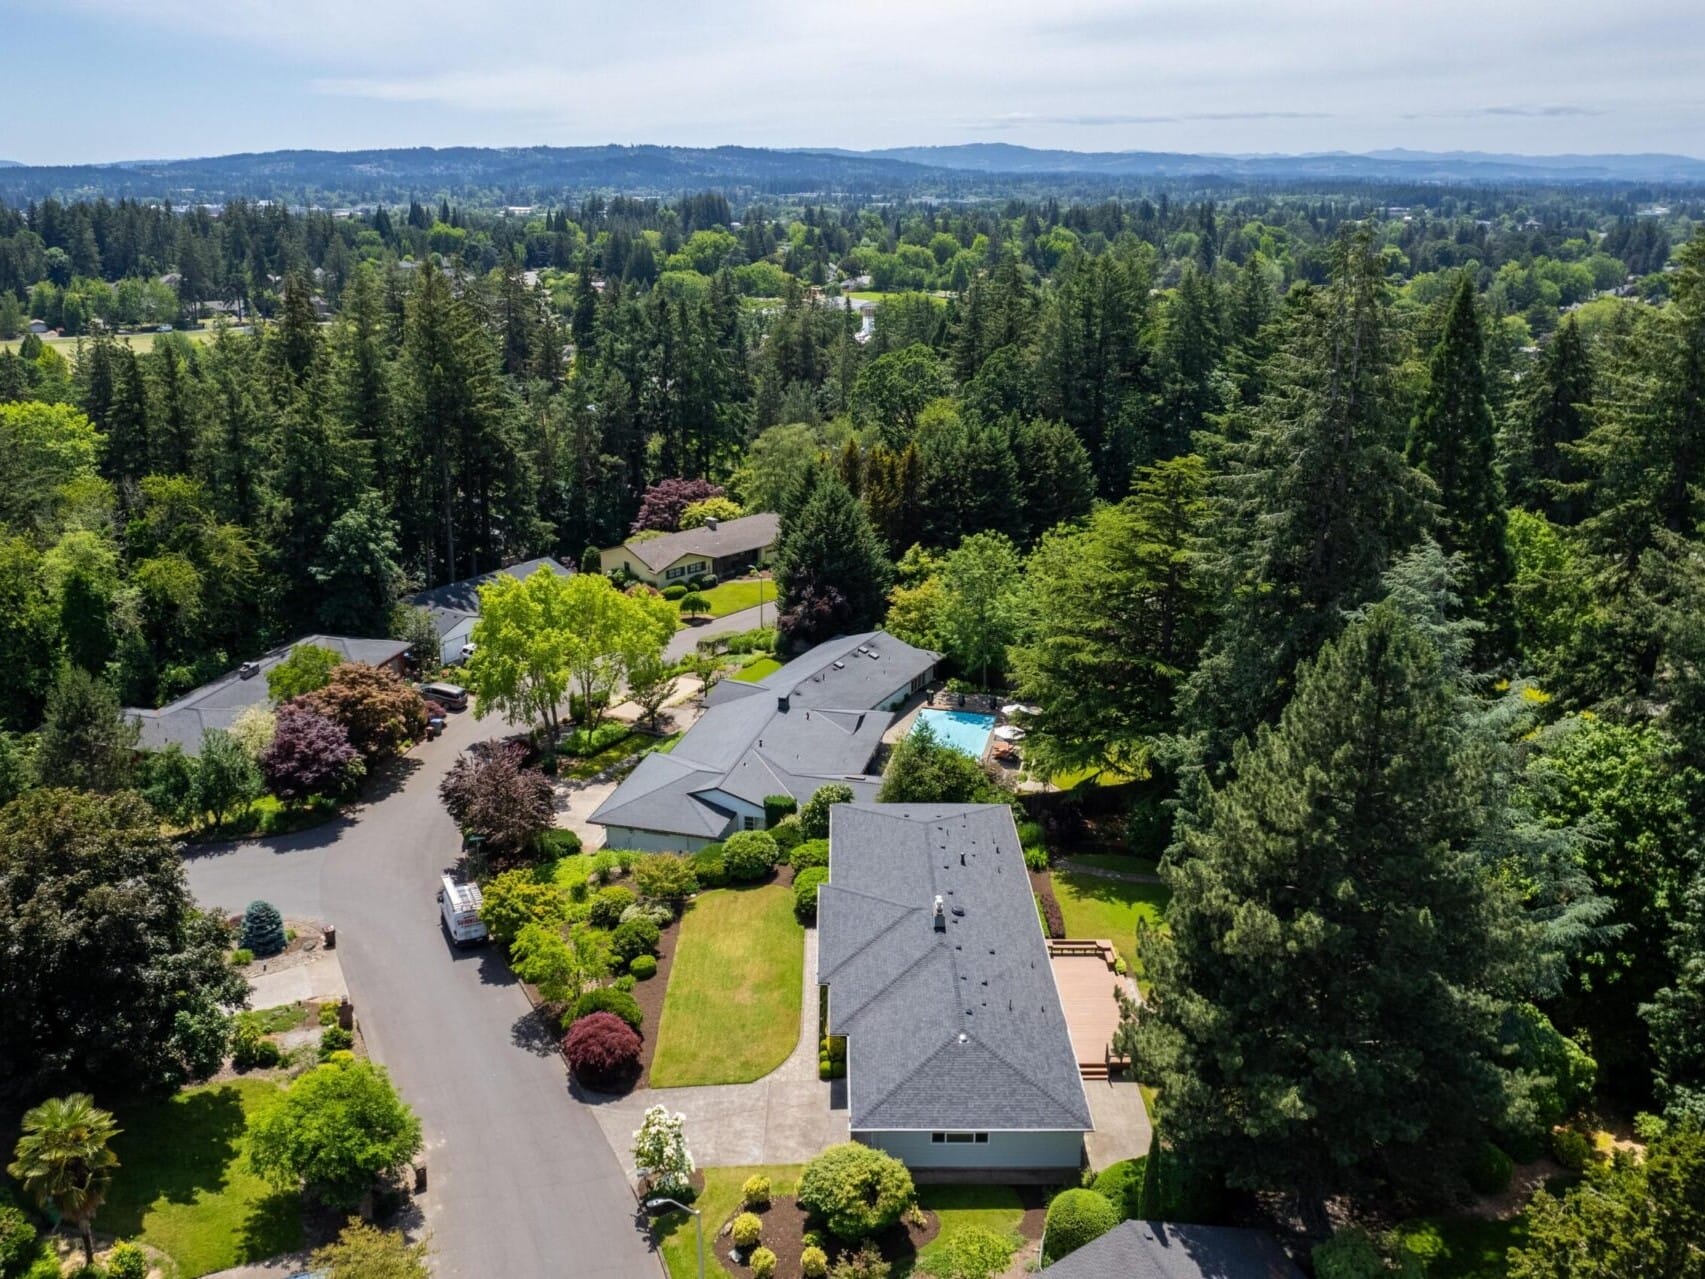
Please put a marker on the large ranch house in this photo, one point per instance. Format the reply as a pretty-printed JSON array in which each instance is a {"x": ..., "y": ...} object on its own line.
[
  {"x": 719, "y": 548},
  {"x": 818, "y": 719}
]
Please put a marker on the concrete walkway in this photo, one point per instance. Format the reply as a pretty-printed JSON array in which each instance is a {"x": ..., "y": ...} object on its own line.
[
  {"x": 321, "y": 980},
  {"x": 1122, "y": 1129},
  {"x": 784, "y": 1118}
]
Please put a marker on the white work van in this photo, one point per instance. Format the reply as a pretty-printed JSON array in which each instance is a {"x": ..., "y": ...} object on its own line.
[{"x": 460, "y": 906}]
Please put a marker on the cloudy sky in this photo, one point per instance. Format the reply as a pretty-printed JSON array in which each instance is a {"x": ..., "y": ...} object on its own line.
[{"x": 94, "y": 80}]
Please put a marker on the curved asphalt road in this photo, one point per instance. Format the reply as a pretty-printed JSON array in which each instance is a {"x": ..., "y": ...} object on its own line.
[{"x": 522, "y": 1184}]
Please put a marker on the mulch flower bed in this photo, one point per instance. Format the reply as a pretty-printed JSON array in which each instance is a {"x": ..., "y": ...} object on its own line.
[
  {"x": 649, "y": 995},
  {"x": 1042, "y": 884},
  {"x": 785, "y": 1224}
]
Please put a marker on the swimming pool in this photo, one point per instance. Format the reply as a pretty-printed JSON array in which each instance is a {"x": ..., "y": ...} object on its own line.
[{"x": 965, "y": 731}]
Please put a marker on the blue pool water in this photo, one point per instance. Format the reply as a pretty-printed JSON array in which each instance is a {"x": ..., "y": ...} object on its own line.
[{"x": 965, "y": 731}]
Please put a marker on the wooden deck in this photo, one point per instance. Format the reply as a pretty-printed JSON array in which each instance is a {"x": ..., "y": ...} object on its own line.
[{"x": 1086, "y": 982}]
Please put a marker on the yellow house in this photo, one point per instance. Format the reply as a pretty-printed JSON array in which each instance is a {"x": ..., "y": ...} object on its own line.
[{"x": 721, "y": 548}]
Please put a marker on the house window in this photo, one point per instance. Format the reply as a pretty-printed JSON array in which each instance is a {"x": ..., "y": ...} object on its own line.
[
  {"x": 959, "y": 1138},
  {"x": 748, "y": 823},
  {"x": 919, "y": 681},
  {"x": 680, "y": 571}
]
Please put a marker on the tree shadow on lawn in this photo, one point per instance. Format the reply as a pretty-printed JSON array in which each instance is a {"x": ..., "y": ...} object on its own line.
[
  {"x": 1122, "y": 893},
  {"x": 172, "y": 1150}
]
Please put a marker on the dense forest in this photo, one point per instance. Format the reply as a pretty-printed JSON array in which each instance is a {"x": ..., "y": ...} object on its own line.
[{"x": 1358, "y": 533}]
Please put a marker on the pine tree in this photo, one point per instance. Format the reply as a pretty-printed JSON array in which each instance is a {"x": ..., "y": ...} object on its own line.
[
  {"x": 263, "y": 929},
  {"x": 1544, "y": 473},
  {"x": 831, "y": 575},
  {"x": 1326, "y": 1006},
  {"x": 1452, "y": 441},
  {"x": 1315, "y": 500},
  {"x": 1191, "y": 345}
]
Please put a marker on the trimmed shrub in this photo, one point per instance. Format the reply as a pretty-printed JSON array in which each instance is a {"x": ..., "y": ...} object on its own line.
[
  {"x": 1351, "y": 1253},
  {"x": 1030, "y": 834},
  {"x": 973, "y": 1253},
  {"x": 708, "y": 868},
  {"x": 17, "y": 1237},
  {"x": 665, "y": 877},
  {"x": 814, "y": 817},
  {"x": 749, "y": 855},
  {"x": 857, "y": 1190},
  {"x": 241, "y": 958},
  {"x": 602, "y": 1050},
  {"x": 805, "y": 885},
  {"x": 866, "y": 1263},
  {"x": 748, "y": 1229},
  {"x": 607, "y": 999},
  {"x": 627, "y": 981},
  {"x": 608, "y": 905},
  {"x": 1121, "y": 1184},
  {"x": 1571, "y": 1149},
  {"x": 1490, "y": 1170},
  {"x": 1035, "y": 858},
  {"x": 642, "y": 967},
  {"x": 250, "y": 1049},
  {"x": 328, "y": 1014},
  {"x": 787, "y": 835},
  {"x": 814, "y": 1263},
  {"x": 558, "y": 843},
  {"x": 674, "y": 591},
  {"x": 1075, "y": 1218},
  {"x": 763, "y": 1263},
  {"x": 812, "y": 852},
  {"x": 334, "y": 1039},
  {"x": 634, "y": 938},
  {"x": 127, "y": 1261},
  {"x": 263, "y": 929},
  {"x": 776, "y": 807},
  {"x": 755, "y": 1191}
]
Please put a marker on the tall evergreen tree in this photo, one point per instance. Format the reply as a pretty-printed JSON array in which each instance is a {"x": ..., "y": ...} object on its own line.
[
  {"x": 1544, "y": 473},
  {"x": 1325, "y": 1010},
  {"x": 1315, "y": 502},
  {"x": 1452, "y": 441},
  {"x": 831, "y": 575}
]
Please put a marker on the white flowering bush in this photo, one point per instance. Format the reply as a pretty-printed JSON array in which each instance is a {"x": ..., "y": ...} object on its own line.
[{"x": 660, "y": 1151}]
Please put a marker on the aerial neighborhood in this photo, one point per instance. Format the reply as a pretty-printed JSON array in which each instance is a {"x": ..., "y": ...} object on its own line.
[{"x": 921, "y": 712}]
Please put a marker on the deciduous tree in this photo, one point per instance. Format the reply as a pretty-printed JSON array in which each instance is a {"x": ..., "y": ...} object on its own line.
[{"x": 340, "y": 1127}]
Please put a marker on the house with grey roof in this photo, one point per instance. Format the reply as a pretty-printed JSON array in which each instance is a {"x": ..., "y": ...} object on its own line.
[
  {"x": 819, "y": 719},
  {"x": 719, "y": 548},
  {"x": 218, "y": 703},
  {"x": 455, "y": 607},
  {"x": 938, "y": 976},
  {"x": 1164, "y": 1250}
]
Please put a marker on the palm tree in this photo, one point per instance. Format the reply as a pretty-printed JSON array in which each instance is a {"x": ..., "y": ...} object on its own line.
[{"x": 65, "y": 1159}]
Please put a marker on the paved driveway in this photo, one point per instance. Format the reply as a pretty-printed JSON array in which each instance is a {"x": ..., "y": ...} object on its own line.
[
  {"x": 683, "y": 641},
  {"x": 784, "y": 1118},
  {"x": 522, "y": 1183}
]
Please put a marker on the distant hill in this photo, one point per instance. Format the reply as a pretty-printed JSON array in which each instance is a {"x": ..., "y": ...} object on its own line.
[
  {"x": 1393, "y": 164},
  {"x": 525, "y": 175}
]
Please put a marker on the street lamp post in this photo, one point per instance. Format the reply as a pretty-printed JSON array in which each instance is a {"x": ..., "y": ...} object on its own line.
[{"x": 698, "y": 1222}]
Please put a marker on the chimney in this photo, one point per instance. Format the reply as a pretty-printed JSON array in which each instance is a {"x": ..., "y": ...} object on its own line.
[
  {"x": 710, "y": 522},
  {"x": 781, "y": 702}
]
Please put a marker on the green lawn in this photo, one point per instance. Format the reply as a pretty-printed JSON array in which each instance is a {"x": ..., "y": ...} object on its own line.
[
  {"x": 141, "y": 343},
  {"x": 1095, "y": 906},
  {"x": 183, "y": 1183},
  {"x": 757, "y": 670},
  {"x": 1090, "y": 774},
  {"x": 731, "y": 1014},
  {"x": 1460, "y": 1247},
  {"x": 732, "y": 596},
  {"x": 1114, "y": 861},
  {"x": 675, "y": 1234},
  {"x": 992, "y": 1208}
]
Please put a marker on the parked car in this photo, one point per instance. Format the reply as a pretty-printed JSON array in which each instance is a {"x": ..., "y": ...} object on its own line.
[
  {"x": 450, "y": 696},
  {"x": 468, "y": 651}
]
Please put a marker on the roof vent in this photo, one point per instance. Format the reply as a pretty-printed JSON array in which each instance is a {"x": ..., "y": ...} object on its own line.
[
  {"x": 964, "y": 1038},
  {"x": 940, "y": 915},
  {"x": 781, "y": 702},
  {"x": 840, "y": 666}
]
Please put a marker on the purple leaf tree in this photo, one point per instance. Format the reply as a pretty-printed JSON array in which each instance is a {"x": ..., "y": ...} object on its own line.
[
  {"x": 308, "y": 755},
  {"x": 667, "y": 500}
]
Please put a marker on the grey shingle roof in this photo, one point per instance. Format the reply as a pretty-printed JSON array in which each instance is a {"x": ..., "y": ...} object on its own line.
[
  {"x": 1163, "y": 1250},
  {"x": 746, "y": 745},
  {"x": 958, "y": 1029},
  {"x": 464, "y": 596},
  {"x": 217, "y": 703},
  {"x": 729, "y": 537}
]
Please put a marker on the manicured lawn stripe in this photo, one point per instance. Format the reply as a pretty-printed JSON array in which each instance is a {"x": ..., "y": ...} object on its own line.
[
  {"x": 995, "y": 1209},
  {"x": 1096, "y": 906},
  {"x": 183, "y": 1182},
  {"x": 731, "y": 1014},
  {"x": 757, "y": 670},
  {"x": 1459, "y": 1247},
  {"x": 740, "y": 593}
]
